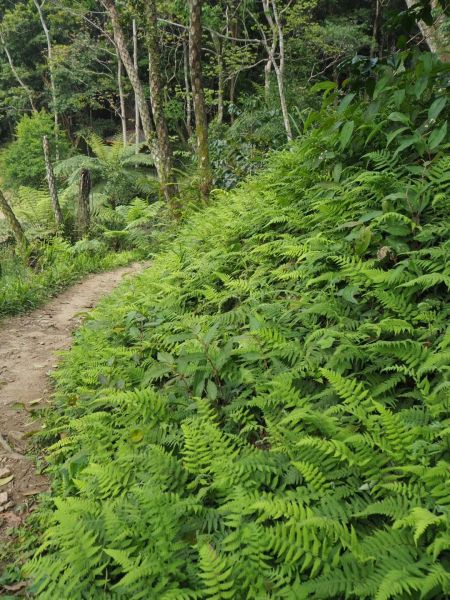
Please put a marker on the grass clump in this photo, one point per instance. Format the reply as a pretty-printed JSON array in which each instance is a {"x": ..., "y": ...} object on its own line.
[
  {"x": 265, "y": 412},
  {"x": 26, "y": 282}
]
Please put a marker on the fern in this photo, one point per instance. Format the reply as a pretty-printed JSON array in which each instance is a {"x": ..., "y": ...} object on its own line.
[{"x": 264, "y": 413}]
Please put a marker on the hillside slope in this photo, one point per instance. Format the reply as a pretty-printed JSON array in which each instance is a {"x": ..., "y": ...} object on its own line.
[{"x": 265, "y": 412}]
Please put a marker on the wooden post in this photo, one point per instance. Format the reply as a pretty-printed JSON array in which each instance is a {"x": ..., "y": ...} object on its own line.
[
  {"x": 52, "y": 184},
  {"x": 16, "y": 227},
  {"x": 83, "y": 206}
]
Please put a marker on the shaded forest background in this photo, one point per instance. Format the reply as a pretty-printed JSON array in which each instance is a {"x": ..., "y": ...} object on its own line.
[{"x": 61, "y": 58}]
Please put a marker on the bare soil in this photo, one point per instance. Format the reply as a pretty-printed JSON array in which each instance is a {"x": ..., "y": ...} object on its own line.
[{"x": 28, "y": 353}]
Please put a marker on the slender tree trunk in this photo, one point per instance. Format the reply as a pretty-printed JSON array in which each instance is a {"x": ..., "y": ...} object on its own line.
[
  {"x": 16, "y": 74},
  {"x": 123, "y": 113},
  {"x": 14, "y": 224},
  {"x": 274, "y": 22},
  {"x": 157, "y": 100},
  {"x": 232, "y": 31},
  {"x": 52, "y": 184},
  {"x": 51, "y": 74},
  {"x": 267, "y": 75},
  {"x": 233, "y": 83},
  {"x": 437, "y": 39},
  {"x": 136, "y": 83},
  {"x": 284, "y": 108},
  {"x": 137, "y": 124},
  {"x": 132, "y": 73},
  {"x": 83, "y": 206},
  {"x": 218, "y": 45},
  {"x": 376, "y": 24},
  {"x": 198, "y": 96},
  {"x": 187, "y": 88},
  {"x": 221, "y": 93}
]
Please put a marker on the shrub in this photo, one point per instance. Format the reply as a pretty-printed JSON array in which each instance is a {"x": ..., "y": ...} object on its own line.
[
  {"x": 23, "y": 159},
  {"x": 56, "y": 265},
  {"x": 264, "y": 413}
]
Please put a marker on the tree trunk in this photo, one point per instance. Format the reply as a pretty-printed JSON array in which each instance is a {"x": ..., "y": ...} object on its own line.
[
  {"x": 267, "y": 75},
  {"x": 52, "y": 184},
  {"x": 136, "y": 83},
  {"x": 276, "y": 27},
  {"x": 83, "y": 206},
  {"x": 436, "y": 39},
  {"x": 232, "y": 31},
  {"x": 187, "y": 89},
  {"x": 123, "y": 113},
  {"x": 137, "y": 124},
  {"x": 284, "y": 108},
  {"x": 16, "y": 74},
  {"x": 233, "y": 84},
  {"x": 198, "y": 96},
  {"x": 156, "y": 96},
  {"x": 218, "y": 45},
  {"x": 16, "y": 227},
  {"x": 376, "y": 24},
  {"x": 51, "y": 73}
]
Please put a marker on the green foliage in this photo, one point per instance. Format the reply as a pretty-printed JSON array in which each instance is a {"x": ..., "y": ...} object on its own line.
[
  {"x": 241, "y": 149},
  {"x": 264, "y": 412},
  {"x": 51, "y": 266},
  {"x": 23, "y": 160},
  {"x": 118, "y": 173}
]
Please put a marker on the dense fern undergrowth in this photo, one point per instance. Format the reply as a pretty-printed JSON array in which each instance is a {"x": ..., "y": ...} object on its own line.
[{"x": 265, "y": 412}]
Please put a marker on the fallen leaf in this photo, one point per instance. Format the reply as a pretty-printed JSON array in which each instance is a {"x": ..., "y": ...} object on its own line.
[
  {"x": 6, "y": 480},
  {"x": 33, "y": 402}
]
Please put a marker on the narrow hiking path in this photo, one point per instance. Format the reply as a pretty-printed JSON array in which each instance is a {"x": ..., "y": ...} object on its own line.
[{"x": 28, "y": 352}]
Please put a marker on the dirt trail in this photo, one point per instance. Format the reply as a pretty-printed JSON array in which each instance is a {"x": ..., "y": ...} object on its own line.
[{"x": 28, "y": 347}]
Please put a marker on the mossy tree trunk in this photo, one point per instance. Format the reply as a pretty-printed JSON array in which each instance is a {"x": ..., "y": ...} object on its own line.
[
  {"x": 157, "y": 100},
  {"x": 138, "y": 88},
  {"x": 198, "y": 96},
  {"x": 132, "y": 73}
]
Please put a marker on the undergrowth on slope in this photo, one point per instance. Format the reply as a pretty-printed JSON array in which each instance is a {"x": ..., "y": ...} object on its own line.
[{"x": 265, "y": 412}]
